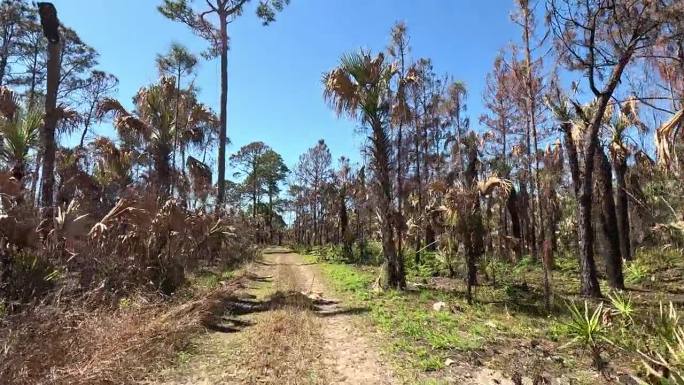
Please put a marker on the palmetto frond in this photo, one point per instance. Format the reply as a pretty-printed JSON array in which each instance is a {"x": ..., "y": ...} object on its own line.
[
  {"x": 110, "y": 105},
  {"x": 113, "y": 164},
  {"x": 663, "y": 138},
  {"x": 487, "y": 187},
  {"x": 340, "y": 92},
  {"x": 359, "y": 85},
  {"x": 19, "y": 135},
  {"x": 8, "y": 103},
  {"x": 200, "y": 174}
]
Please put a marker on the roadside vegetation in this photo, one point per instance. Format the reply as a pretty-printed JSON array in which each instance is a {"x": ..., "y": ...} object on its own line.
[{"x": 541, "y": 237}]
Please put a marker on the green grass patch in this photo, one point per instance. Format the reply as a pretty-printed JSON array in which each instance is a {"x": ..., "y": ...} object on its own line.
[{"x": 422, "y": 336}]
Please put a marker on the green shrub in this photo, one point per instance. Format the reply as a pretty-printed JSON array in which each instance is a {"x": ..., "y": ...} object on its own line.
[
  {"x": 526, "y": 263},
  {"x": 636, "y": 271},
  {"x": 587, "y": 330},
  {"x": 29, "y": 276},
  {"x": 622, "y": 307}
]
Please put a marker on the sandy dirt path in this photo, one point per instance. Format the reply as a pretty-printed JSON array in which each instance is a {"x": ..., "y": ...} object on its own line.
[
  {"x": 290, "y": 330},
  {"x": 348, "y": 354}
]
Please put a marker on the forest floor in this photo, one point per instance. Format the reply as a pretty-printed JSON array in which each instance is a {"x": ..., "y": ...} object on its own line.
[{"x": 284, "y": 328}]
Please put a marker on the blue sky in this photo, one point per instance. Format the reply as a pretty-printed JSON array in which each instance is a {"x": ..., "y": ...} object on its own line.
[{"x": 275, "y": 92}]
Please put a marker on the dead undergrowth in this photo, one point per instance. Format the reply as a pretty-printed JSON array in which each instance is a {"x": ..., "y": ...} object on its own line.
[{"x": 74, "y": 345}]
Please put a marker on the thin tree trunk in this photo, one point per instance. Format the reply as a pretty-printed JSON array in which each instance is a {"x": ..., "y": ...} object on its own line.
[
  {"x": 175, "y": 131},
  {"x": 47, "y": 134},
  {"x": 473, "y": 241},
  {"x": 224, "y": 110},
  {"x": 622, "y": 202},
  {"x": 513, "y": 209},
  {"x": 421, "y": 205}
]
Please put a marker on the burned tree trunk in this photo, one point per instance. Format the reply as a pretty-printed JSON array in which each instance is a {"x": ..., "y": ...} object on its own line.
[
  {"x": 609, "y": 222},
  {"x": 50, "y": 23}
]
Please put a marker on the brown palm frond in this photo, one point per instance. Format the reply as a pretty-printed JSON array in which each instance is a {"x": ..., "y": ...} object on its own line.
[
  {"x": 618, "y": 151},
  {"x": 340, "y": 91},
  {"x": 412, "y": 76},
  {"x": 663, "y": 138},
  {"x": 200, "y": 174},
  {"x": 487, "y": 187},
  {"x": 630, "y": 109},
  {"x": 8, "y": 103},
  {"x": 438, "y": 186},
  {"x": 518, "y": 150},
  {"x": 123, "y": 209},
  {"x": 109, "y": 105},
  {"x": 127, "y": 125},
  {"x": 70, "y": 222}
]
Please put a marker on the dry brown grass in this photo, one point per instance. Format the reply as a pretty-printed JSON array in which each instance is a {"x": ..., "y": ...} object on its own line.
[
  {"x": 55, "y": 345},
  {"x": 284, "y": 348}
]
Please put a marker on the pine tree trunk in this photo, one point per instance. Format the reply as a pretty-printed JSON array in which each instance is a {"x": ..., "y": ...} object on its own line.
[
  {"x": 622, "y": 209},
  {"x": 609, "y": 221},
  {"x": 512, "y": 205},
  {"x": 47, "y": 133},
  {"x": 589, "y": 281},
  {"x": 223, "y": 118}
]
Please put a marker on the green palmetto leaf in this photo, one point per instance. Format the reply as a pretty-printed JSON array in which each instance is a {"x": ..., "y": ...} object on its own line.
[
  {"x": 585, "y": 326},
  {"x": 622, "y": 306},
  {"x": 19, "y": 135}
]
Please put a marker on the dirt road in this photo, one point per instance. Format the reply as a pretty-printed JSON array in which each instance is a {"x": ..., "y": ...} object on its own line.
[{"x": 285, "y": 329}]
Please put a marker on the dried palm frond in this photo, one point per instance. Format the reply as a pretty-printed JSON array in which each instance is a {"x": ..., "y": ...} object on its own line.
[
  {"x": 618, "y": 151},
  {"x": 667, "y": 369},
  {"x": 123, "y": 209},
  {"x": 108, "y": 105},
  {"x": 412, "y": 75},
  {"x": 578, "y": 129},
  {"x": 517, "y": 150},
  {"x": 630, "y": 110},
  {"x": 69, "y": 223},
  {"x": 438, "y": 186},
  {"x": 493, "y": 182},
  {"x": 132, "y": 125},
  {"x": 68, "y": 115},
  {"x": 340, "y": 91},
  {"x": 199, "y": 172},
  {"x": 663, "y": 138},
  {"x": 8, "y": 103}
]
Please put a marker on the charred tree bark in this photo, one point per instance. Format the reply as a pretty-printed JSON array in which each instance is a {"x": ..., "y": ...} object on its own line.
[
  {"x": 473, "y": 241},
  {"x": 590, "y": 285},
  {"x": 622, "y": 202},
  {"x": 344, "y": 226},
  {"x": 50, "y": 23},
  {"x": 513, "y": 210},
  {"x": 609, "y": 221},
  {"x": 223, "y": 117},
  {"x": 394, "y": 266}
]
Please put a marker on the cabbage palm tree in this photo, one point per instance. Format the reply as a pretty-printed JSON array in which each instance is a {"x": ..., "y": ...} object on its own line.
[
  {"x": 359, "y": 88},
  {"x": 153, "y": 126}
]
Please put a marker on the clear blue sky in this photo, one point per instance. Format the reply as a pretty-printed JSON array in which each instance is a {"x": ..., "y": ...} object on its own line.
[{"x": 275, "y": 91}]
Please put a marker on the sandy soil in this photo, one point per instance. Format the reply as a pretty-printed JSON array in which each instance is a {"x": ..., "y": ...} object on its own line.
[{"x": 285, "y": 329}]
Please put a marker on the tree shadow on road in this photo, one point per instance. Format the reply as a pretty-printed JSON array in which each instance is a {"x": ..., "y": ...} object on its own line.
[{"x": 236, "y": 308}]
